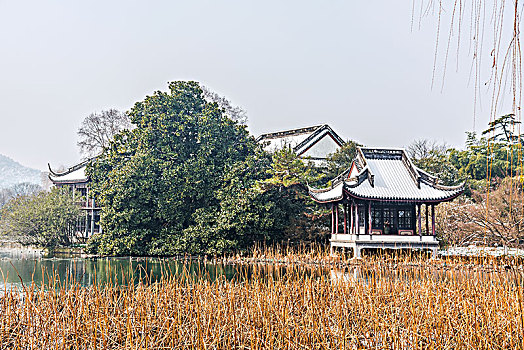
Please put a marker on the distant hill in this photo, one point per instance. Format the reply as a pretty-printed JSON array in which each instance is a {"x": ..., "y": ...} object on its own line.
[{"x": 12, "y": 173}]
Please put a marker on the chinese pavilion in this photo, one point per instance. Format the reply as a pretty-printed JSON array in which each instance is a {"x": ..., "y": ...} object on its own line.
[
  {"x": 312, "y": 143},
  {"x": 378, "y": 203},
  {"x": 77, "y": 181}
]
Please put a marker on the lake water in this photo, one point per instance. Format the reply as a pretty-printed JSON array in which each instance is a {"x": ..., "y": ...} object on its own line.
[
  {"x": 26, "y": 266},
  {"x": 20, "y": 267}
]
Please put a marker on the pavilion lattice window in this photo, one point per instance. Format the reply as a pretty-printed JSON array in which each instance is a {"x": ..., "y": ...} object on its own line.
[
  {"x": 405, "y": 219},
  {"x": 388, "y": 216},
  {"x": 376, "y": 218}
]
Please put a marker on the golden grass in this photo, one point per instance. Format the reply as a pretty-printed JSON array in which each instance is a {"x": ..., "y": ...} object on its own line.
[{"x": 419, "y": 305}]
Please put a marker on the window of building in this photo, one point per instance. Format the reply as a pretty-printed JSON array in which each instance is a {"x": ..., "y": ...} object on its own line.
[
  {"x": 388, "y": 216},
  {"x": 405, "y": 219},
  {"x": 391, "y": 218},
  {"x": 389, "y": 222},
  {"x": 376, "y": 218},
  {"x": 81, "y": 225}
]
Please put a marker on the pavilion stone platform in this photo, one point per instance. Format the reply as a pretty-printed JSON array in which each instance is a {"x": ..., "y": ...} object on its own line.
[
  {"x": 359, "y": 242},
  {"x": 380, "y": 202}
]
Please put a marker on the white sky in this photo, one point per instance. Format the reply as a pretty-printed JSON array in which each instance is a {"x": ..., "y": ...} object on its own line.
[{"x": 355, "y": 65}]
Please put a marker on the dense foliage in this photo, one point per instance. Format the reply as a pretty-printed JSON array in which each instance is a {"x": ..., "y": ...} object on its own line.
[
  {"x": 289, "y": 177},
  {"x": 187, "y": 178},
  {"x": 480, "y": 160},
  {"x": 483, "y": 159},
  {"x": 340, "y": 160},
  {"x": 44, "y": 219},
  {"x": 185, "y": 181},
  {"x": 490, "y": 213},
  {"x": 246, "y": 212}
]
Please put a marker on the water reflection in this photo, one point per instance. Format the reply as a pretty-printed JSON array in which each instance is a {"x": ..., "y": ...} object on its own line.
[
  {"x": 25, "y": 266},
  {"x": 22, "y": 267},
  {"x": 372, "y": 275}
]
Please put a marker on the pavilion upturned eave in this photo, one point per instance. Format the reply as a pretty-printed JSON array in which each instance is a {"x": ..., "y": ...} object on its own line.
[
  {"x": 68, "y": 182},
  {"x": 342, "y": 191},
  {"x": 406, "y": 199}
]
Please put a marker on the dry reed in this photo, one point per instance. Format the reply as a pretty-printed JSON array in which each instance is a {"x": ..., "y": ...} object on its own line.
[{"x": 372, "y": 305}]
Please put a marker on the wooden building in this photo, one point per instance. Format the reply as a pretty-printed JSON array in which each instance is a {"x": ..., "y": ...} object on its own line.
[
  {"x": 77, "y": 181},
  {"x": 313, "y": 143},
  {"x": 384, "y": 201}
]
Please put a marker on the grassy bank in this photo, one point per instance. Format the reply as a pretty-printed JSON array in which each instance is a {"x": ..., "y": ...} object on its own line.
[{"x": 370, "y": 306}]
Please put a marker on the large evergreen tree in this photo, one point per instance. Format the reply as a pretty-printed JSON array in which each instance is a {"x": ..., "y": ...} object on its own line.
[{"x": 157, "y": 181}]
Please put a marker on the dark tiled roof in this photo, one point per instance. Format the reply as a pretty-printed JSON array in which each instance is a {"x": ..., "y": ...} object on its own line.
[
  {"x": 387, "y": 174},
  {"x": 301, "y": 139},
  {"x": 74, "y": 174}
]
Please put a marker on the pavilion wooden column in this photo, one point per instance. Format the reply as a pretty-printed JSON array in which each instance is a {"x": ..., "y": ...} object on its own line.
[
  {"x": 369, "y": 217},
  {"x": 87, "y": 214},
  {"x": 336, "y": 218},
  {"x": 357, "y": 221},
  {"x": 351, "y": 218},
  {"x": 433, "y": 219},
  {"x": 427, "y": 220},
  {"x": 344, "y": 206},
  {"x": 332, "y": 218},
  {"x": 419, "y": 219}
]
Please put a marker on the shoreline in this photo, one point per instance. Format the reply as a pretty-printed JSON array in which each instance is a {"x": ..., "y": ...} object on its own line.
[{"x": 489, "y": 258}]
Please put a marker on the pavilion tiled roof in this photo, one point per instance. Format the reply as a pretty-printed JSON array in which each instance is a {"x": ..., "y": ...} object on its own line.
[
  {"x": 386, "y": 174},
  {"x": 300, "y": 140},
  {"x": 74, "y": 174}
]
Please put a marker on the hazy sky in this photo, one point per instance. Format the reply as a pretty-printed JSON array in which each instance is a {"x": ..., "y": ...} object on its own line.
[{"x": 355, "y": 65}]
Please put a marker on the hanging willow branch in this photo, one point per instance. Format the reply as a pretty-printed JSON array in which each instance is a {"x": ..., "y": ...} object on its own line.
[
  {"x": 496, "y": 63},
  {"x": 492, "y": 32}
]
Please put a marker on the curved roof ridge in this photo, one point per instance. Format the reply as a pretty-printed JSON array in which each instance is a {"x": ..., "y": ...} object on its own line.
[
  {"x": 360, "y": 178},
  {"x": 70, "y": 169},
  {"x": 279, "y": 134},
  {"x": 450, "y": 188},
  {"x": 360, "y": 157},
  {"x": 341, "y": 176},
  {"x": 423, "y": 172},
  {"x": 315, "y": 133},
  {"x": 412, "y": 169},
  {"x": 320, "y": 190},
  {"x": 329, "y": 194}
]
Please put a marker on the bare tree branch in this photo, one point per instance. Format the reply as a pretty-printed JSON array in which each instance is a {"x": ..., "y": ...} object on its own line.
[
  {"x": 235, "y": 113},
  {"x": 98, "y": 129}
]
